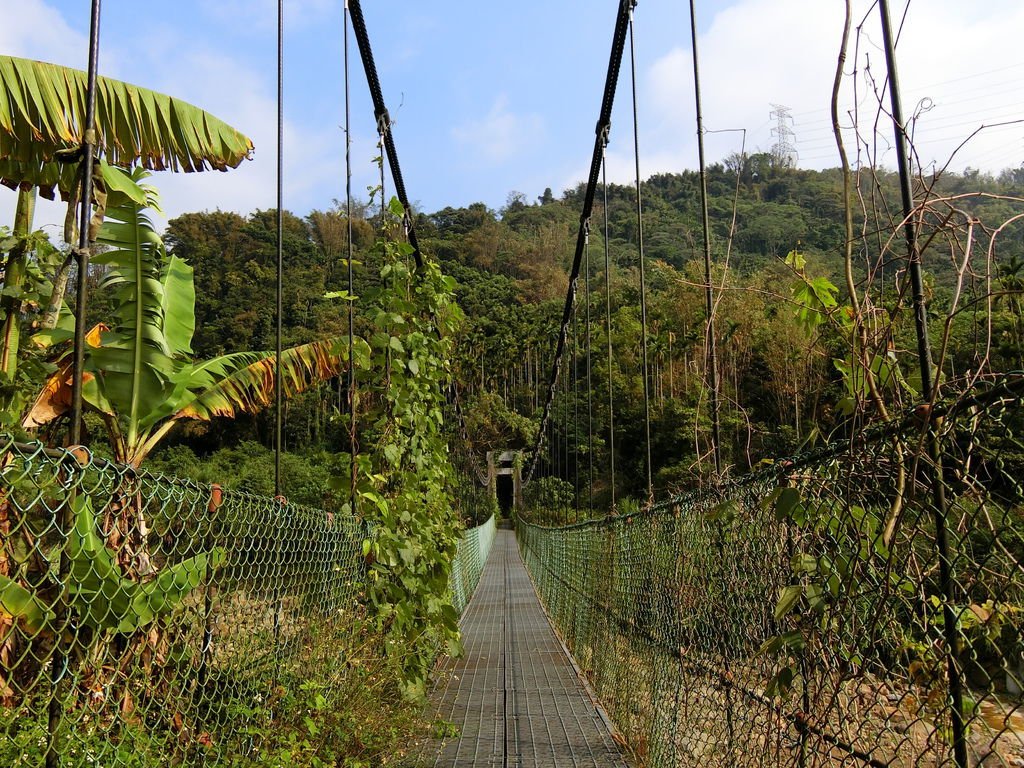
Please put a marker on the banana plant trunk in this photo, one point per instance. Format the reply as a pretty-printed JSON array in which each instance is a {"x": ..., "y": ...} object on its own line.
[
  {"x": 14, "y": 278},
  {"x": 60, "y": 287},
  {"x": 10, "y": 304}
]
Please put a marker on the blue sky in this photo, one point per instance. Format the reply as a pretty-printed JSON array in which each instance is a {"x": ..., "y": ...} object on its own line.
[{"x": 493, "y": 98}]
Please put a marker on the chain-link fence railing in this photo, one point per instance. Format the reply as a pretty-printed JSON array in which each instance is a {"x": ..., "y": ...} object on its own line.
[
  {"x": 862, "y": 605},
  {"x": 148, "y": 621},
  {"x": 474, "y": 547},
  {"x": 145, "y": 620}
]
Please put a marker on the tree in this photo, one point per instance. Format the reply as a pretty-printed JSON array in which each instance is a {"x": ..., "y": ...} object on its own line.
[{"x": 139, "y": 377}]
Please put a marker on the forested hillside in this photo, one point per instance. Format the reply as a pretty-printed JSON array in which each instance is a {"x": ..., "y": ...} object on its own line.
[{"x": 782, "y": 318}]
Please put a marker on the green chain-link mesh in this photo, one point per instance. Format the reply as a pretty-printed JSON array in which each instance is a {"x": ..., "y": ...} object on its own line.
[
  {"x": 799, "y": 617},
  {"x": 145, "y": 620},
  {"x": 474, "y": 547}
]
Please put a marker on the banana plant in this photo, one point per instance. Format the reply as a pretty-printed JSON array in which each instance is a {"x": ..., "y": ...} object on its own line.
[
  {"x": 98, "y": 592},
  {"x": 139, "y": 376},
  {"x": 42, "y": 127}
]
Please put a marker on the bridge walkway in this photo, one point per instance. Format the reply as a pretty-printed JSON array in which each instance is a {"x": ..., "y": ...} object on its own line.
[{"x": 514, "y": 697}]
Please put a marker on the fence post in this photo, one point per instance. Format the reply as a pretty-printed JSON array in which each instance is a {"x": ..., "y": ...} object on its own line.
[{"x": 216, "y": 498}]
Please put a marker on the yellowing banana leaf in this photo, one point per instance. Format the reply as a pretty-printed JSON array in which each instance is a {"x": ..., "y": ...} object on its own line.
[
  {"x": 42, "y": 113},
  {"x": 54, "y": 399},
  {"x": 244, "y": 382}
]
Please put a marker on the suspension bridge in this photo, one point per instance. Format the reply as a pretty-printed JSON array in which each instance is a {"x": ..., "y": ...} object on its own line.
[{"x": 859, "y": 604}]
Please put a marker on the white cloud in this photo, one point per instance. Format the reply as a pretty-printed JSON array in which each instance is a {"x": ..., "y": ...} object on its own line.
[
  {"x": 498, "y": 136},
  {"x": 759, "y": 52},
  {"x": 37, "y": 31}
]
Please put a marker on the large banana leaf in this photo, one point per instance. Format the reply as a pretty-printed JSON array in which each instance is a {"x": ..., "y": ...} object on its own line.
[
  {"x": 137, "y": 362},
  {"x": 244, "y": 382},
  {"x": 17, "y": 602},
  {"x": 105, "y": 599},
  {"x": 42, "y": 112}
]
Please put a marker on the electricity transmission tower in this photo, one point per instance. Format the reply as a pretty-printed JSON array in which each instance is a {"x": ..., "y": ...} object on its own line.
[{"x": 784, "y": 153}]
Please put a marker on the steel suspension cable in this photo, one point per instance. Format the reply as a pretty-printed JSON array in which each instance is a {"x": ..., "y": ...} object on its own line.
[
  {"x": 640, "y": 250},
  {"x": 709, "y": 299},
  {"x": 603, "y": 125},
  {"x": 590, "y": 387},
  {"x": 380, "y": 113}
]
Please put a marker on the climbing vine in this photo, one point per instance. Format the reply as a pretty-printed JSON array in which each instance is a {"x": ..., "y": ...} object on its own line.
[{"x": 403, "y": 472}]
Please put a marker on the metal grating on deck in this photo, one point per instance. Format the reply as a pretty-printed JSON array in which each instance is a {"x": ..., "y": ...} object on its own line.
[{"x": 514, "y": 696}]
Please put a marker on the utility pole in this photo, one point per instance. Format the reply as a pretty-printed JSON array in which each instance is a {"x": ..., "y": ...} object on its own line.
[{"x": 784, "y": 149}]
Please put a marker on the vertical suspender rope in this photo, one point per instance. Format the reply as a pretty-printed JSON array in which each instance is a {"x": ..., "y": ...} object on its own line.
[
  {"x": 90, "y": 139},
  {"x": 89, "y": 142},
  {"x": 351, "y": 372},
  {"x": 608, "y": 320},
  {"x": 640, "y": 251},
  {"x": 709, "y": 304},
  {"x": 278, "y": 378},
  {"x": 574, "y": 371},
  {"x": 590, "y": 386},
  {"x": 947, "y": 575}
]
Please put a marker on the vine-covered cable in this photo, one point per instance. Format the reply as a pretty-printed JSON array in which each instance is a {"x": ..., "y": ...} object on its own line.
[
  {"x": 380, "y": 112},
  {"x": 603, "y": 126},
  {"x": 390, "y": 153}
]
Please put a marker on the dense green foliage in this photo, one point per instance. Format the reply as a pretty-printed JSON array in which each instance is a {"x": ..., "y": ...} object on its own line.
[{"x": 784, "y": 312}]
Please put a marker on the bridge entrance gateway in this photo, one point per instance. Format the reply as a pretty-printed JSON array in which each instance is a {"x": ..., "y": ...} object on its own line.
[{"x": 505, "y": 480}]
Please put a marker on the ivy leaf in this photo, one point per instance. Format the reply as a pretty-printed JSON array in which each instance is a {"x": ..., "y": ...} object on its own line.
[
  {"x": 786, "y": 503},
  {"x": 803, "y": 563},
  {"x": 781, "y": 683},
  {"x": 788, "y": 600},
  {"x": 724, "y": 512}
]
